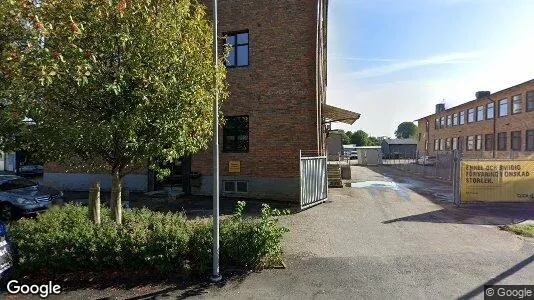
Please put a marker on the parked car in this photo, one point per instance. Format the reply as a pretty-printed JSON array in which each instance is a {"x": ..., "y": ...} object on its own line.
[
  {"x": 20, "y": 196},
  {"x": 426, "y": 160},
  {"x": 31, "y": 170},
  {"x": 353, "y": 155}
]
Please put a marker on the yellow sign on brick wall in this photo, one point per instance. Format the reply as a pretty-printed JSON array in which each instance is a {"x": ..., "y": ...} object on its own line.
[
  {"x": 497, "y": 181},
  {"x": 234, "y": 166}
]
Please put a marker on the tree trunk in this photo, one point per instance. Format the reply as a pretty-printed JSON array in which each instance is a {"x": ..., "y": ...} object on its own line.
[
  {"x": 115, "y": 202},
  {"x": 94, "y": 204}
]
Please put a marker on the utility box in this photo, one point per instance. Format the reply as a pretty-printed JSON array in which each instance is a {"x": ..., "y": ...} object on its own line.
[
  {"x": 345, "y": 173},
  {"x": 369, "y": 156}
]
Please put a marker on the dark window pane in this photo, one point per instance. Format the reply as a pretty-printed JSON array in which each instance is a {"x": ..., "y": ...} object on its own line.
[
  {"x": 501, "y": 141},
  {"x": 18, "y": 183},
  {"x": 516, "y": 140},
  {"x": 236, "y": 134},
  {"x": 229, "y": 186},
  {"x": 242, "y": 38},
  {"x": 230, "y": 39},
  {"x": 242, "y": 187},
  {"x": 530, "y": 101},
  {"x": 488, "y": 141},
  {"x": 242, "y": 55},
  {"x": 530, "y": 140}
]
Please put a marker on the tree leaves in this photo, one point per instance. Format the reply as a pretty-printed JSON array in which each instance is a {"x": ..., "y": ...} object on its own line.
[{"x": 121, "y": 81}]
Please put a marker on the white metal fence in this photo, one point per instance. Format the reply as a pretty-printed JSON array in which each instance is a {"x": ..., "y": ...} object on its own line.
[{"x": 313, "y": 181}]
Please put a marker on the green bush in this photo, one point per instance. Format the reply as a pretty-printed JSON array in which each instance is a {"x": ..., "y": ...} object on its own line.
[
  {"x": 249, "y": 242},
  {"x": 63, "y": 240}
]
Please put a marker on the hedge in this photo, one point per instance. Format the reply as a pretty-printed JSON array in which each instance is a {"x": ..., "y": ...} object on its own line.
[{"x": 63, "y": 240}]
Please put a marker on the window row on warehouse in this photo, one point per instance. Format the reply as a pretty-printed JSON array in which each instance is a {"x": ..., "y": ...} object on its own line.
[
  {"x": 500, "y": 108},
  {"x": 502, "y": 141}
]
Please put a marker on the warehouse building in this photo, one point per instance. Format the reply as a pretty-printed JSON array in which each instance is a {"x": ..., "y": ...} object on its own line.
[
  {"x": 494, "y": 125},
  {"x": 399, "y": 148}
]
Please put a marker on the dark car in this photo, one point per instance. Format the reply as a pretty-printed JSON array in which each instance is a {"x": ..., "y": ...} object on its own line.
[
  {"x": 31, "y": 170},
  {"x": 20, "y": 196}
]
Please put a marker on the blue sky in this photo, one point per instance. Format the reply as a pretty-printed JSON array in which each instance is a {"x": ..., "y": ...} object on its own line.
[{"x": 393, "y": 60}]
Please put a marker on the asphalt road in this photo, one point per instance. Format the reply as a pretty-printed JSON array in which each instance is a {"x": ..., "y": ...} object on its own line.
[{"x": 389, "y": 236}]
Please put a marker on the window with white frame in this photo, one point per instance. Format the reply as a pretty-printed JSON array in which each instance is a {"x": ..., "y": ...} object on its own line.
[
  {"x": 503, "y": 107},
  {"x": 490, "y": 110},
  {"x": 471, "y": 115},
  {"x": 517, "y": 104},
  {"x": 480, "y": 113}
]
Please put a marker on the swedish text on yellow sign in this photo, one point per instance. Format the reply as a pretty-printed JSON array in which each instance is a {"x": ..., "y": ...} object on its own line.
[{"x": 497, "y": 181}]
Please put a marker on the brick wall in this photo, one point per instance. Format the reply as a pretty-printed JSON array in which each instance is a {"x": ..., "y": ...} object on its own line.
[
  {"x": 277, "y": 90},
  {"x": 512, "y": 122}
]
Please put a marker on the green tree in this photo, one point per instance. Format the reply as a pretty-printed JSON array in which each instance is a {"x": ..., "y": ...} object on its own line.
[
  {"x": 359, "y": 138},
  {"x": 345, "y": 138},
  {"x": 406, "y": 130},
  {"x": 373, "y": 141},
  {"x": 112, "y": 83}
]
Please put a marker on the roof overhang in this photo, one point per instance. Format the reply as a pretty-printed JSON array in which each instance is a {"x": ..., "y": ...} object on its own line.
[{"x": 336, "y": 114}]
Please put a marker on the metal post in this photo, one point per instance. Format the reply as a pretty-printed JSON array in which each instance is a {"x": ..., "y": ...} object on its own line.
[
  {"x": 215, "y": 276},
  {"x": 455, "y": 177}
]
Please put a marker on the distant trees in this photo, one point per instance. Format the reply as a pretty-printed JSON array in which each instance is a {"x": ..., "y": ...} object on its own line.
[
  {"x": 345, "y": 138},
  {"x": 359, "y": 138},
  {"x": 373, "y": 141},
  {"x": 406, "y": 130}
]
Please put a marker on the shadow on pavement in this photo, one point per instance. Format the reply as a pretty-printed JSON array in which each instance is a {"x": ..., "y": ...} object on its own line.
[
  {"x": 477, "y": 214},
  {"x": 440, "y": 192},
  {"x": 480, "y": 289},
  {"x": 198, "y": 289},
  {"x": 140, "y": 285}
]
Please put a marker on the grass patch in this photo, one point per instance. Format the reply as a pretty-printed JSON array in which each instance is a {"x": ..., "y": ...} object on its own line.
[{"x": 523, "y": 230}]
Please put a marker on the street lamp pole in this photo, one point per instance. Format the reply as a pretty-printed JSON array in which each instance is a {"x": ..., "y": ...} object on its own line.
[{"x": 215, "y": 276}]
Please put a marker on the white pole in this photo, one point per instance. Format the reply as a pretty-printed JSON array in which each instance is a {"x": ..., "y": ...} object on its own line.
[{"x": 215, "y": 276}]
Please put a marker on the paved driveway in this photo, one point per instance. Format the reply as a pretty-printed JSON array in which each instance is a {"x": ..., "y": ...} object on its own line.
[{"x": 390, "y": 239}]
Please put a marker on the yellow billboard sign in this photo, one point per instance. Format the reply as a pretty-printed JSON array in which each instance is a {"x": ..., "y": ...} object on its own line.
[{"x": 497, "y": 181}]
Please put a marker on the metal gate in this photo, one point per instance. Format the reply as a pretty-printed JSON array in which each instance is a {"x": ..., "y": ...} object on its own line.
[{"x": 313, "y": 181}]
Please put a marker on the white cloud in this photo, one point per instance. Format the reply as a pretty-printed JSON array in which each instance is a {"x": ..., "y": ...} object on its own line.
[
  {"x": 335, "y": 57},
  {"x": 385, "y": 105},
  {"x": 449, "y": 58}
]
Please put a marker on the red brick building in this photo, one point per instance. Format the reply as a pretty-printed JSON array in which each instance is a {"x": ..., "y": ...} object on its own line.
[
  {"x": 277, "y": 82},
  {"x": 276, "y": 72},
  {"x": 494, "y": 125}
]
